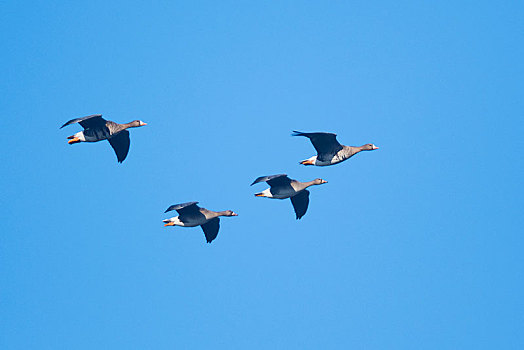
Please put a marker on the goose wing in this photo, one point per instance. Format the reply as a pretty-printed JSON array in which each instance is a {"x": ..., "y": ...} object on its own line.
[
  {"x": 185, "y": 208},
  {"x": 300, "y": 203},
  {"x": 274, "y": 180},
  {"x": 210, "y": 229},
  {"x": 120, "y": 143},
  {"x": 91, "y": 121},
  {"x": 324, "y": 142}
]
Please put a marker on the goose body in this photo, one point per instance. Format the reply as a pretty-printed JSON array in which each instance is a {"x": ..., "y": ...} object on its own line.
[
  {"x": 282, "y": 187},
  {"x": 329, "y": 150},
  {"x": 97, "y": 129},
  {"x": 191, "y": 215}
]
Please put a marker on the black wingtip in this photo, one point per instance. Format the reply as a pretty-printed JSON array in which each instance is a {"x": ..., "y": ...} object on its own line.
[{"x": 297, "y": 133}]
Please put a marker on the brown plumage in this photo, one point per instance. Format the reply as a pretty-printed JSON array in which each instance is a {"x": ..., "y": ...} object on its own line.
[
  {"x": 282, "y": 187},
  {"x": 191, "y": 215},
  {"x": 329, "y": 150},
  {"x": 97, "y": 129}
]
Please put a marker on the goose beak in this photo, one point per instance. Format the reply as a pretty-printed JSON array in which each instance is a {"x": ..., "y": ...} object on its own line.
[
  {"x": 143, "y": 124},
  {"x": 324, "y": 181},
  {"x": 259, "y": 195},
  {"x": 171, "y": 223},
  {"x": 234, "y": 214},
  {"x": 375, "y": 147},
  {"x": 307, "y": 162}
]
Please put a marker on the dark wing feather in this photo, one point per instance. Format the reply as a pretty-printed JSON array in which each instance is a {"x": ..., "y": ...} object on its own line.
[
  {"x": 210, "y": 229},
  {"x": 300, "y": 203},
  {"x": 182, "y": 208},
  {"x": 272, "y": 180},
  {"x": 120, "y": 143},
  {"x": 279, "y": 181},
  {"x": 91, "y": 121},
  {"x": 324, "y": 142}
]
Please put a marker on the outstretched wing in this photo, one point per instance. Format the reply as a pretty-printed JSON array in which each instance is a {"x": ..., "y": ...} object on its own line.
[
  {"x": 120, "y": 143},
  {"x": 300, "y": 203},
  {"x": 324, "y": 142},
  {"x": 91, "y": 121},
  {"x": 273, "y": 180},
  {"x": 185, "y": 208},
  {"x": 210, "y": 229}
]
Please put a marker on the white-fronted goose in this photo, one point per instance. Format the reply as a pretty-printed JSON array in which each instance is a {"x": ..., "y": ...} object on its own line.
[
  {"x": 191, "y": 215},
  {"x": 329, "y": 151},
  {"x": 97, "y": 128},
  {"x": 282, "y": 187}
]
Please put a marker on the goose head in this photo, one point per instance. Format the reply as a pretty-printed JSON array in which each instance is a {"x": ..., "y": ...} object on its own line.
[
  {"x": 319, "y": 182},
  {"x": 369, "y": 147},
  {"x": 136, "y": 123}
]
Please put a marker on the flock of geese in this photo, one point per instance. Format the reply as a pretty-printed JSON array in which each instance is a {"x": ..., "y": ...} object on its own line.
[{"x": 329, "y": 152}]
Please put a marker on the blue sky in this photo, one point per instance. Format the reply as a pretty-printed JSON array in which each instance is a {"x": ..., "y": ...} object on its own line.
[{"x": 415, "y": 246}]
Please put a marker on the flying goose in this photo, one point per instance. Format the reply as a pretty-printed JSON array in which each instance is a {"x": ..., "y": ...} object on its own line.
[
  {"x": 329, "y": 151},
  {"x": 97, "y": 128},
  {"x": 191, "y": 215},
  {"x": 282, "y": 187}
]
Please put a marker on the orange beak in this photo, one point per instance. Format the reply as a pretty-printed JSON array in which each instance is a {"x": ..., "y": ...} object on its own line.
[
  {"x": 259, "y": 195},
  {"x": 171, "y": 223},
  {"x": 307, "y": 162},
  {"x": 73, "y": 140}
]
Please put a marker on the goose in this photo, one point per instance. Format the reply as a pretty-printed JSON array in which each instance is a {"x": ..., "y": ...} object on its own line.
[
  {"x": 97, "y": 129},
  {"x": 282, "y": 187},
  {"x": 329, "y": 151},
  {"x": 191, "y": 215}
]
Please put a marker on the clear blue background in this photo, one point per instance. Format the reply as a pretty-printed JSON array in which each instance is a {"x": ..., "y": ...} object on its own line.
[{"x": 415, "y": 246}]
